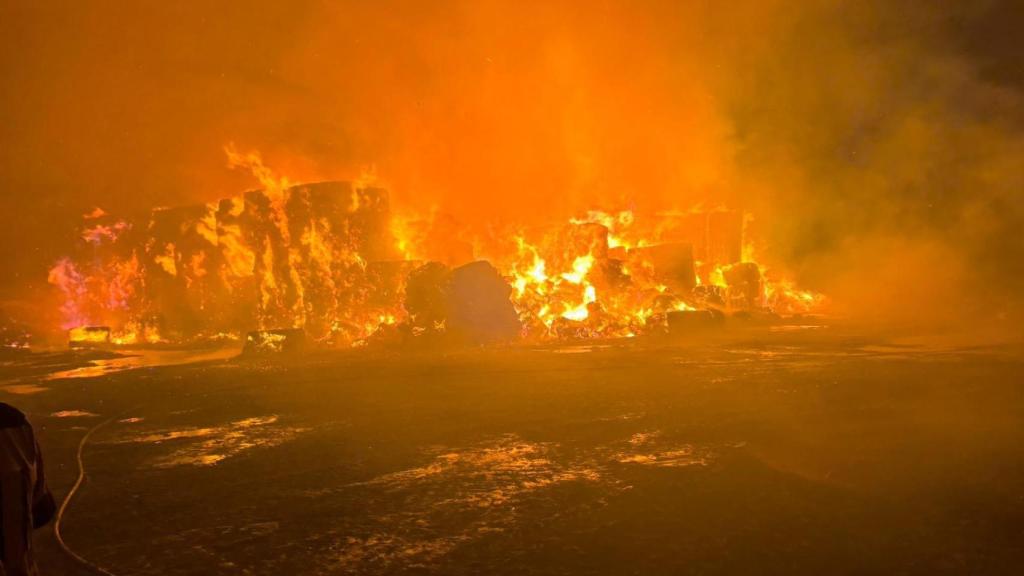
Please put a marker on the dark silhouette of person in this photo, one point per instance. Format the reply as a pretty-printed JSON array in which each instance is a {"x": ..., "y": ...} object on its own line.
[{"x": 25, "y": 501}]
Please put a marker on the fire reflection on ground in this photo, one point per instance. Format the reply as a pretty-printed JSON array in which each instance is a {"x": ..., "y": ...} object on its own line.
[
  {"x": 192, "y": 446},
  {"x": 131, "y": 359},
  {"x": 483, "y": 488}
]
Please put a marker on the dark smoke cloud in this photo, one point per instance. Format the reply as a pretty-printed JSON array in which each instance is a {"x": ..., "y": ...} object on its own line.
[
  {"x": 884, "y": 142},
  {"x": 878, "y": 143}
]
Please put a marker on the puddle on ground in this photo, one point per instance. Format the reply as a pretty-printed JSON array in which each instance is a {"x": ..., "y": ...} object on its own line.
[
  {"x": 580, "y": 349},
  {"x": 641, "y": 438},
  {"x": 23, "y": 389},
  {"x": 491, "y": 474},
  {"x": 796, "y": 327},
  {"x": 681, "y": 457},
  {"x": 194, "y": 446},
  {"x": 476, "y": 488},
  {"x": 73, "y": 414},
  {"x": 223, "y": 533},
  {"x": 649, "y": 449},
  {"x": 143, "y": 359},
  {"x": 481, "y": 489}
]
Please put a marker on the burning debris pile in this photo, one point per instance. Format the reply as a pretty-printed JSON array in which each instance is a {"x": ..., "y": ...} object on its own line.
[
  {"x": 617, "y": 275},
  {"x": 330, "y": 259}
]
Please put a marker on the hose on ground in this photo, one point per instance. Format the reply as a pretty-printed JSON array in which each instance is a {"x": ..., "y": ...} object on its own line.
[{"x": 67, "y": 501}]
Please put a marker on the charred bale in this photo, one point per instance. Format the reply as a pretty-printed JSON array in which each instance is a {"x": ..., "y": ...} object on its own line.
[
  {"x": 612, "y": 274},
  {"x": 685, "y": 322},
  {"x": 709, "y": 295},
  {"x": 478, "y": 306},
  {"x": 746, "y": 289},
  {"x": 425, "y": 295},
  {"x": 670, "y": 264}
]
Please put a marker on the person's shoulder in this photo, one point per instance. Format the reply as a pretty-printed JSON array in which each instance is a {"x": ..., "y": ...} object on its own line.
[{"x": 11, "y": 417}]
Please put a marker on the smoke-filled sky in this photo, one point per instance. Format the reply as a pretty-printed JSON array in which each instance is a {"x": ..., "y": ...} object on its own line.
[{"x": 879, "y": 144}]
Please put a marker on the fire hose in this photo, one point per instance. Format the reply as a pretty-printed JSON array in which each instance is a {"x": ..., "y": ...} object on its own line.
[{"x": 67, "y": 501}]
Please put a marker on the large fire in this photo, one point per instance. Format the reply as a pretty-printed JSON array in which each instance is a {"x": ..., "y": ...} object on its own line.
[{"x": 332, "y": 259}]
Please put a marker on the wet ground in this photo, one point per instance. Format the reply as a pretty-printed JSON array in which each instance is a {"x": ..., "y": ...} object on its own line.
[{"x": 792, "y": 451}]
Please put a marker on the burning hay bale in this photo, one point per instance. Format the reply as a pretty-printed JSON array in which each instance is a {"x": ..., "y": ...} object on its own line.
[
  {"x": 178, "y": 257},
  {"x": 282, "y": 256},
  {"x": 280, "y": 341},
  {"x": 89, "y": 337}
]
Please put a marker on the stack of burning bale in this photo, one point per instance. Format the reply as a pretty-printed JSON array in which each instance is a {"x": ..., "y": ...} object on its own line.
[
  {"x": 322, "y": 258},
  {"x": 316, "y": 256}
]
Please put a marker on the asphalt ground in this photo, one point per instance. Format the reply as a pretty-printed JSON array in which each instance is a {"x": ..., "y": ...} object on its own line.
[{"x": 782, "y": 451}]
